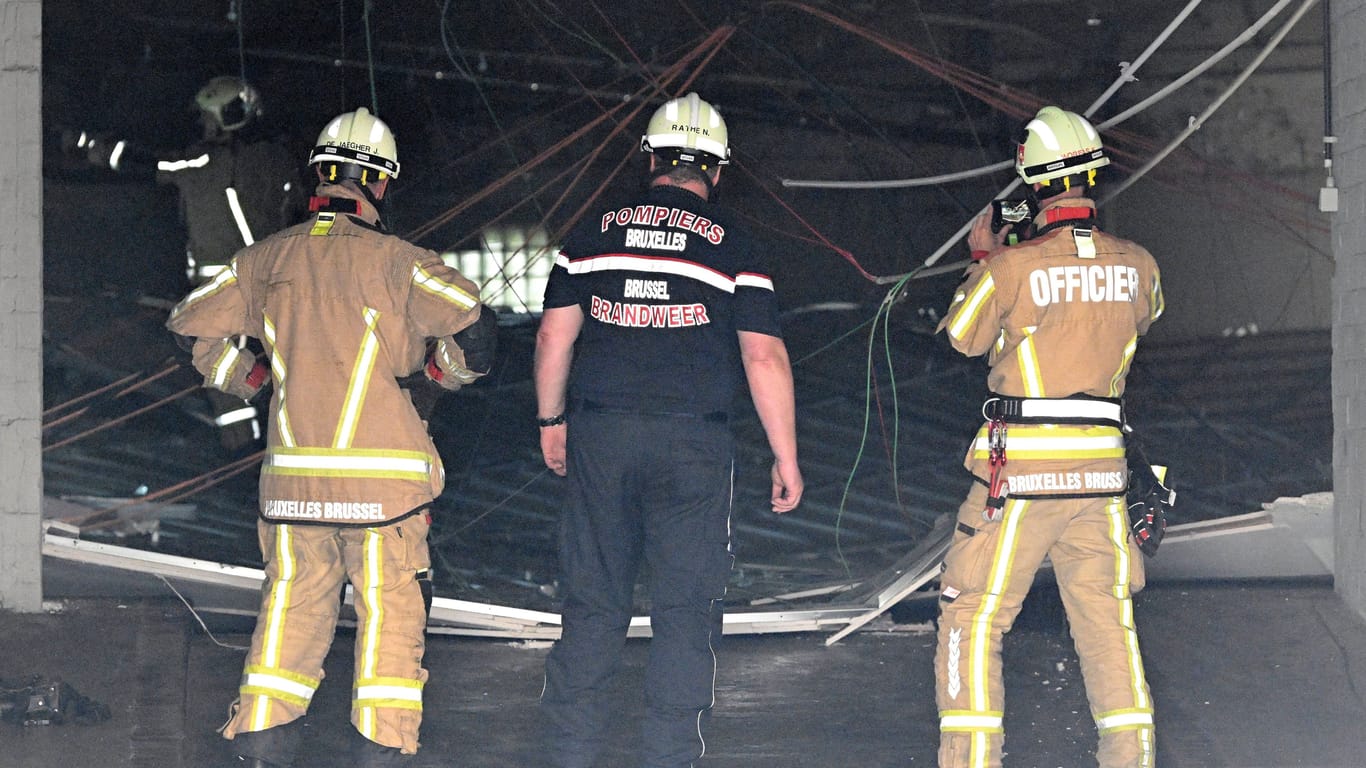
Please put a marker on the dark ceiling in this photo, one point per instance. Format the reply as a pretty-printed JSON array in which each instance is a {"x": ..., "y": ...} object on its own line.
[{"x": 479, "y": 92}]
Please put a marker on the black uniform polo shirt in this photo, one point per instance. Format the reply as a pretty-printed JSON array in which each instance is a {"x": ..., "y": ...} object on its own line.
[{"x": 664, "y": 286}]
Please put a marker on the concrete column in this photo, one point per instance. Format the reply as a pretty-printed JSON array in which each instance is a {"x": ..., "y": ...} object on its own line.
[
  {"x": 1349, "y": 300},
  {"x": 21, "y": 305}
]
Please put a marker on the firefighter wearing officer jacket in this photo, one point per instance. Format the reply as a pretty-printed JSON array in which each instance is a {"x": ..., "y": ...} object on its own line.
[
  {"x": 1058, "y": 317},
  {"x": 234, "y": 188},
  {"x": 344, "y": 310},
  {"x": 656, "y": 314}
]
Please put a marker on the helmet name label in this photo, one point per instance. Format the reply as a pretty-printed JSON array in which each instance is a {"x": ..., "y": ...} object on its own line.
[{"x": 1086, "y": 283}]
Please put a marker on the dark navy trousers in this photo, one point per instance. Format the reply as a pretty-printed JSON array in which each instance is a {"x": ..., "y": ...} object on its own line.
[{"x": 652, "y": 493}]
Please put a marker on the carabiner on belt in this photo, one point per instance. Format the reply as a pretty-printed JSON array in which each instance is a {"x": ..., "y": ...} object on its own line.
[{"x": 996, "y": 458}]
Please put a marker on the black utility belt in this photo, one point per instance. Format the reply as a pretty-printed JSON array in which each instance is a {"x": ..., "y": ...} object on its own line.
[
  {"x": 589, "y": 406},
  {"x": 1095, "y": 411}
]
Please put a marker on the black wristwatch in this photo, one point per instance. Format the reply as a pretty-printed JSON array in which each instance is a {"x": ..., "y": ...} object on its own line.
[{"x": 553, "y": 421}]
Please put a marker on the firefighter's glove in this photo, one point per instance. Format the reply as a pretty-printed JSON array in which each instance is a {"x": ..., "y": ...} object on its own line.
[
  {"x": 423, "y": 391},
  {"x": 465, "y": 357},
  {"x": 232, "y": 370},
  {"x": 1148, "y": 514}
]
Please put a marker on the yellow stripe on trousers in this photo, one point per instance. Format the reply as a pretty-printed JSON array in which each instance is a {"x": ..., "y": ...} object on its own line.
[
  {"x": 276, "y": 613},
  {"x": 374, "y": 617},
  {"x": 979, "y": 648}
]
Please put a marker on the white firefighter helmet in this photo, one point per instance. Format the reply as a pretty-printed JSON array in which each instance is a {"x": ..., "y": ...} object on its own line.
[
  {"x": 688, "y": 130},
  {"x": 352, "y": 145},
  {"x": 228, "y": 102},
  {"x": 1057, "y": 144}
]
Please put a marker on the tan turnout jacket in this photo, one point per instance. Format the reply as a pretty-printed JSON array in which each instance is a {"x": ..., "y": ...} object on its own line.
[
  {"x": 1057, "y": 316},
  {"x": 343, "y": 309}
]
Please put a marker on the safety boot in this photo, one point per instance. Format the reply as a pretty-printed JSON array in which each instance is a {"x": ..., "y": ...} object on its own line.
[
  {"x": 271, "y": 748},
  {"x": 373, "y": 755}
]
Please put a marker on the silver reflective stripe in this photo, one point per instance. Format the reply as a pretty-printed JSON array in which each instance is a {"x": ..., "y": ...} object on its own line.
[
  {"x": 349, "y": 463},
  {"x": 1121, "y": 720},
  {"x": 388, "y": 692},
  {"x": 210, "y": 271},
  {"x": 282, "y": 684},
  {"x": 171, "y": 166},
  {"x": 238, "y": 216},
  {"x": 1069, "y": 409},
  {"x": 117, "y": 154},
  {"x": 235, "y": 416},
  {"x": 1027, "y": 444}
]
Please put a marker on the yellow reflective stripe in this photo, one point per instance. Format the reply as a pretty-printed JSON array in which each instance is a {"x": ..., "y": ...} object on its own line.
[
  {"x": 278, "y": 371},
  {"x": 323, "y": 224},
  {"x": 998, "y": 580},
  {"x": 220, "y": 281},
  {"x": 1157, "y": 300},
  {"x": 359, "y": 383},
  {"x": 1123, "y": 365},
  {"x": 963, "y": 721},
  {"x": 1029, "y": 366},
  {"x": 1118, "y": 520},
  {"x": 1119, "y": 539},
  {"x": 373, "y": 568},
  {"x": 964, "y": 314},
  {"x": 279, "y": 684},
  {"x": 277, "y": 602},
  {"x": 224, "y": 365},
  {"x": 1036, "y": 443},
  {"x": 438, "y": 287},
  {"x": 979, "y": 645},
  {"x": 350, "y": 462}
]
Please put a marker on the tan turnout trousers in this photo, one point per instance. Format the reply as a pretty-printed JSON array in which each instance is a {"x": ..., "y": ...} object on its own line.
[
  {"x": 306, "y": 566},
  {"x": 988, "y": 572}
]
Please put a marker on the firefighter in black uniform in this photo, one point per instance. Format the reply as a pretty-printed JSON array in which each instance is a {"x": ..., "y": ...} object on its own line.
[
  {"x": 237, "y": 184},
  {"x": 654, "y": 315}
]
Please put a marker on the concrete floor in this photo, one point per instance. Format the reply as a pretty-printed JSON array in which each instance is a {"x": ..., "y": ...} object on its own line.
[{"x": 1246, "y": 675}]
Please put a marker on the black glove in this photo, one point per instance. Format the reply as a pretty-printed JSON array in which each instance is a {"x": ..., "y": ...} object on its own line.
[
  {"x": 1150, "y": 502},
  {"x": 424, "y": 392},
  {"x": 1149, "y": 525},
  {"x": 479, "y": 342}
]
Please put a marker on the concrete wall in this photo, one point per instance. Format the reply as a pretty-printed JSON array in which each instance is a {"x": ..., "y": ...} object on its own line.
[
  {"x": 21, "y": 296},
  {"x": 1349, "y": 301}
]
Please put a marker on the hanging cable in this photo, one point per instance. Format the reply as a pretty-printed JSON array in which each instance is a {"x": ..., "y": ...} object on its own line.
[
  {"x": 370, "y": 56},
  {"x": 235, "y": 15},
  {"x": 1196, "y": 122},
  {"x": 1328, "y": 194}
]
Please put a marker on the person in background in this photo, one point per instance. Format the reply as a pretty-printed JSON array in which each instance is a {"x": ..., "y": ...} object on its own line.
[{"x": 235, "y": 185}]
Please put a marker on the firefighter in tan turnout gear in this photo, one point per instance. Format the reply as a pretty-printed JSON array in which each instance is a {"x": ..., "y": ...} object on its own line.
[
  {"x": 344, "y": 311},
  {"x": 1058, "y": 317}
]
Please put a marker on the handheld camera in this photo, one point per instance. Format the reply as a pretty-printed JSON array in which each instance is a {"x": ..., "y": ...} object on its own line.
[{"x": 1005, "y": 212}]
